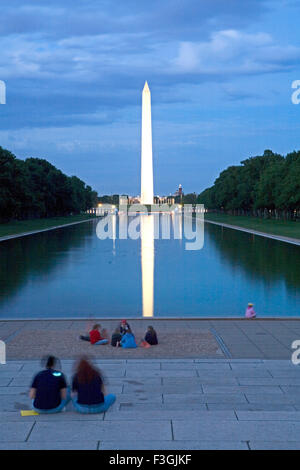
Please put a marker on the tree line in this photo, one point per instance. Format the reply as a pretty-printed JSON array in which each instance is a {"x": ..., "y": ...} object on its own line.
[
  {"x": 34, "y": 188},
  {"x": 264, "y": 186},
  {"x": 107, "y": 199}
]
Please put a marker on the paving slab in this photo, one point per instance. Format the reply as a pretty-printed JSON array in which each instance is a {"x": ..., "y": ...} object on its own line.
[
  {"x": 285, "y": 398},
  {"x": 11, "y": 367},
  {"x": 182, "y": 388},
  {"x": 279, "y": 363},
  {"x": 257, "y": 381},
  {"x": 14, "y": 416},
  {"x": 242, "y": 389},
  {"x": 173, "y": 445},
  {"x": 289, "y": 389},
  {"x": 237, "y": 430},
  {"x": 262, "y": 406},
  {"x": 233, "y": 398},
  {"x": 165, "y": 414},
  {"x": 13, "y": 391},
  {"x": 15, "y": 402},
  {"x": 70, "y": 415},
  {"x": 162, "y": 407},
  {"x": 140, "y": 367},
  {"x": 268, "y": 415},
  {"x": 285, "y": 373},
  {"x": 274, "y": 445},
  {"x": 97, "y": 430},
  {"x": 89, "y": 445},
  {"x": 244, "y": 372},
  {"x": 135, "y": 381},
  {"x": 163, "y": 373},
  {"x": 249, "y": 367},
  {"x": 4, "y": 381},
  {"x": 201, "y": 366},
  {"x": 15, "y": 432},
  {"x": 139, "y": 397},
  {"x": 216, "y": 379}
]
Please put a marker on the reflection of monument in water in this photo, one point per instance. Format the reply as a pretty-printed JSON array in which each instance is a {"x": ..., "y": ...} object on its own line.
[
  {"x": 147, "y": 261},
  {"x": 149, "y": 226}
]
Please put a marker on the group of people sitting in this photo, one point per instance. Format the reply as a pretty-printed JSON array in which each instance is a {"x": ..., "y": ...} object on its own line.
[
  {"x": 50, "y": 393},
  {"x": 122, "y": 336}
]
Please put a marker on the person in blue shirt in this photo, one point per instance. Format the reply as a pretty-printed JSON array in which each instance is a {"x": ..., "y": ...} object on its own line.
[
  {"x": 89, "y": 394},
  {"x": 128, "y": 340},
  {"x": 49, "y": 392}
]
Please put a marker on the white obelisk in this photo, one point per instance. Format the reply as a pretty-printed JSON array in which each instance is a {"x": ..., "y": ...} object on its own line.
[{"x": 146, "y": 158}]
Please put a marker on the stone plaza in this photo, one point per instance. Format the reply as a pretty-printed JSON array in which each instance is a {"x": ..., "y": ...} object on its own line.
[{"x": 226, "y": 402}]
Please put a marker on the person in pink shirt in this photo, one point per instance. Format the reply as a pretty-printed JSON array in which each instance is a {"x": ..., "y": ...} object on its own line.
[{"x": 250, "y": 313}]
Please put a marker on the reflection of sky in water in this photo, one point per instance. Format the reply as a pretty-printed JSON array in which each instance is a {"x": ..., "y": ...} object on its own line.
[{"x": 71, "y": 273}]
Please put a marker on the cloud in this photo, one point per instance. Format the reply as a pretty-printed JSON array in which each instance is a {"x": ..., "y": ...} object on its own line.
[
  {"x": 160, "y": 18},
  {"x": 75, "y": 70},
  {"x": 232, "y": 51}
]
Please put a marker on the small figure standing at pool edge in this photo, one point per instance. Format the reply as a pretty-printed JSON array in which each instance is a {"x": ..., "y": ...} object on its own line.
[{"x": 250, "y": 313}]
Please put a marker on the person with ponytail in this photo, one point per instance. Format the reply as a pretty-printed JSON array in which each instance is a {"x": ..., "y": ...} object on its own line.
[
  {"x": 89, "y": 394},
  {"x": 49, "y": 392}
]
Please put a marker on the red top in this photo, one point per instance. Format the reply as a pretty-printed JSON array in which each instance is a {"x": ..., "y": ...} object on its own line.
[{"x": 95, "y": 336}]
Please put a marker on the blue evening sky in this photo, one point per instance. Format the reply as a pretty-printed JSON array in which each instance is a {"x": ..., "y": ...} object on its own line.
[{"x": 220, "y": 74}]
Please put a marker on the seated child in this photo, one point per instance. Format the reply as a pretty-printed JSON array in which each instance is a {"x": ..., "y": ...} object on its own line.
[
  {"x": 124, "y": 327},
  {"x": 116, "y": 338},
  {"x": 128, "y": 340},
  {"x": 95, "y": 336},
  {"x": 250, "y": 313},
  {"x": 151, "y": 337}
]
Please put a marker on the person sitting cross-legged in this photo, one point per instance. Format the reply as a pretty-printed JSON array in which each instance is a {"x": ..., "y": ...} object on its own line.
[
  {"x": 124, "y": 327},
  {"x": 49, "y": 391},
  {"x": 96, "y": 336},
  {"x": 151, "y": 336},
  {"x": 116, "y": 338},
  {"x": 89, "y": 395},
  {"x": 128, "y": 340}
]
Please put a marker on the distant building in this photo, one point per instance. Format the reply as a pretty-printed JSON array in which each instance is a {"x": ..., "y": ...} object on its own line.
[
  {"x": 134, "y": 199},
  {"x": 171, "y": 199},
  {"x": 123, "y": 200},
  {"x": 179, "y": 192},
  {"x": 164, "y": 199}
]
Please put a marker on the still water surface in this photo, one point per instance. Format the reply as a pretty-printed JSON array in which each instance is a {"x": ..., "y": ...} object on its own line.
[{"x": 70, "y": 273}]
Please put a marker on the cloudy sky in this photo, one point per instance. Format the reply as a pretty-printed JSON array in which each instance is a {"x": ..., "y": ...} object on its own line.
[{"x": 220, "y": 74}]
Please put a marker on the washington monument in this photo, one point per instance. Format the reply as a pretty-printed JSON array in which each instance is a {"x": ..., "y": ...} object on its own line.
[{"x": 146, "y": 157}]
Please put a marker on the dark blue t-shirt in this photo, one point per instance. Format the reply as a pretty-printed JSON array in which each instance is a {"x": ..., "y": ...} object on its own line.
[
  {"x": 88, "y": 393},
  {"x": 48, "y": 384}
]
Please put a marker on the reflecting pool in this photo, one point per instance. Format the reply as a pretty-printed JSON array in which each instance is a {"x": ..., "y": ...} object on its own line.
[{"x": 71, "y": 273}]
